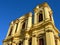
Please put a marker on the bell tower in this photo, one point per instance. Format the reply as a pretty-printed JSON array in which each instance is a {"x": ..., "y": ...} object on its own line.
[{"x": 43, "y": 12}]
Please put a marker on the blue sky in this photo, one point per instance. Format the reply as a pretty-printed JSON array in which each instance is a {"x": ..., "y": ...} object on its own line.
[{"x": 13, "y": 9}]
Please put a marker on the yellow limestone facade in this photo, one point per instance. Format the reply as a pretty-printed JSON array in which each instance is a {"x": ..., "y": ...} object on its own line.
[{"x": 34, "y": 28}]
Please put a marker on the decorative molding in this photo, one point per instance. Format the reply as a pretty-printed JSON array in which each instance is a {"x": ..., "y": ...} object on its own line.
[
  {"x": 41, "y": 35},
  {"x": 33, "y": 35},
  {"x": 49, "y": 31}
]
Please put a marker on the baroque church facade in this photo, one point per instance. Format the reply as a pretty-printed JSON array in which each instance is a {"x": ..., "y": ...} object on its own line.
[{"x": 34, "y": 29}]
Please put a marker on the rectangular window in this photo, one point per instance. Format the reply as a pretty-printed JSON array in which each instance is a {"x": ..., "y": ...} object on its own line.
[{"x": 41, "y": 41}]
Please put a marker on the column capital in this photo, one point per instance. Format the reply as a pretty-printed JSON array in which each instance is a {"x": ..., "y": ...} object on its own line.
[
  {"x": 49, "y": 31},
  {"x": 26, "y": 38},
  {"x": 33, "y": 35}
]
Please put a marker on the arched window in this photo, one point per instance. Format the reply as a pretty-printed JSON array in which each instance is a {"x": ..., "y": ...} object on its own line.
[
  {"x": 41, "y": 41},
  {"x": 40, "y": 16},
  {"x": 23, "y": 26}
]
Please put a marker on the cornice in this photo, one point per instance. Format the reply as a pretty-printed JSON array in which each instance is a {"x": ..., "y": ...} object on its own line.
[{"x": 42, "y": 24}]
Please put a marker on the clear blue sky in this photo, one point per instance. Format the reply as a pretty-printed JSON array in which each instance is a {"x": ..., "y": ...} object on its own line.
[{"x": 13, "y": 9}]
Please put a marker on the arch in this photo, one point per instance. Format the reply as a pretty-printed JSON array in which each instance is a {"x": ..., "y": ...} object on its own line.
[
  {"x": 41, "y": 39},
  {"x": 24, "y": 24}
]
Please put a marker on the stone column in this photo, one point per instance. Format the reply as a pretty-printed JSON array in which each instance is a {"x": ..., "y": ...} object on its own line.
[
  {"x": 50, "y": 38},
  {"x": 26, "y": 40},
  {"x": 46, "y": 12},
  {"x": 34, "y": 40},
  {"x": 35, "y": 18},
  {"x": 58, "y": 43},
  {"x": 29, "y": 21},
  {"x": 14, "y": 28},
  {"x": 19, "y": 28},
  {"x": 9, "y": 29}
]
